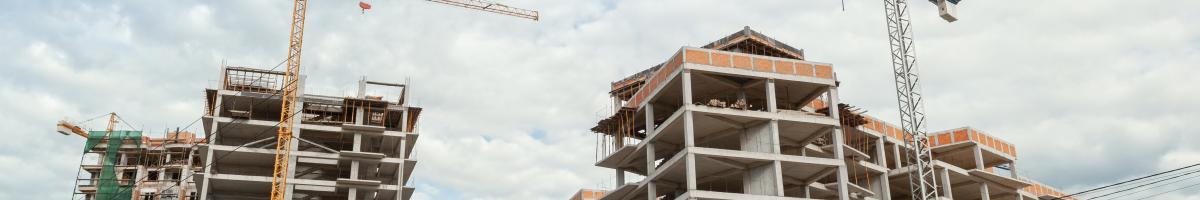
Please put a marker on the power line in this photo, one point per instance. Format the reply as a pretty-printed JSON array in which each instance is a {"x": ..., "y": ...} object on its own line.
[
  {"x": 1149, "y": 188},
  {"x": 1169, "y": 191},
  {"x": 1151, "y": 183},
  {"x": 1124, "y": 182},
  {"x": 1152, "y": 179}
]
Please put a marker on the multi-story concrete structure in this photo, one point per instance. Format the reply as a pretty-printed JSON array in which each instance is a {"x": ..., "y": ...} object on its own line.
[
  {"x": 124, "y": 165},
  {"x": 355, "y": 147},
  {"x": 747, "y": 117}
]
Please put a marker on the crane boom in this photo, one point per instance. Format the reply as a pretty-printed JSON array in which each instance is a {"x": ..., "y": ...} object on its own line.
[
  {"x": 67, "y": 128},
  {"x": 491, "y": 7},
  {"x": 922, "y": 180}
]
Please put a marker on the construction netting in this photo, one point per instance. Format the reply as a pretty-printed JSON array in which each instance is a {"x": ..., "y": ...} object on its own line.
[{"x": 108, "y": 186}]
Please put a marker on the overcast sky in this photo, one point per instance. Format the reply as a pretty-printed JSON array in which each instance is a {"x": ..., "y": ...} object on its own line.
[{"x": 1090, "y": 92}]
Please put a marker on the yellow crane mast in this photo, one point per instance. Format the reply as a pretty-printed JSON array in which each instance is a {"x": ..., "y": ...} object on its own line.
[{"x": 283, "y": 146}]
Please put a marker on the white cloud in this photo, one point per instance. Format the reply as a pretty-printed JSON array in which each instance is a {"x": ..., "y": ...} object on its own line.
[{"x": 1075, "y": 86}]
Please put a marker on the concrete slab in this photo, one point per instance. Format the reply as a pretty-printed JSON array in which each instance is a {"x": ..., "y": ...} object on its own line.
[{"x": 711, "y": 195}]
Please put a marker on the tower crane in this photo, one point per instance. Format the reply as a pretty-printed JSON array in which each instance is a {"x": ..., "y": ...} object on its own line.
[
  {"x": 922, "y": 180},
  {"x": 289, "y": 93}
]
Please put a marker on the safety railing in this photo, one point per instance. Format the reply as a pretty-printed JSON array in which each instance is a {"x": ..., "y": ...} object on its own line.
[{"x": 252, "y": 80}]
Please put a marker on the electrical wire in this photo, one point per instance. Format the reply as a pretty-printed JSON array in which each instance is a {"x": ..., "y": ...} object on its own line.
[
  {"x": 1149, "y": 188},
  {"x": 1151, "y": 183},
  {"x": 1169, "y": 191},
  {"x": 1125, "y": 182},
  {"x": 1157, "y": 178}
]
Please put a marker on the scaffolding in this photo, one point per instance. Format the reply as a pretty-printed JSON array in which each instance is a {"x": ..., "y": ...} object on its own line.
[{"x": 113, "y": 154}]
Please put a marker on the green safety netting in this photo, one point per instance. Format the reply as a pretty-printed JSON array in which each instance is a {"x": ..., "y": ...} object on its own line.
[{"x": 108, "y": 186}]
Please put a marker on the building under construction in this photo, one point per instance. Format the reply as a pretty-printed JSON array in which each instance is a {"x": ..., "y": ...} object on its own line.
[
  {"x": 748, "y": 117},
  {"x": 344, "y": 147},
  {"x": 124, "y": 164},
  {"x": 355, "y": 147}
]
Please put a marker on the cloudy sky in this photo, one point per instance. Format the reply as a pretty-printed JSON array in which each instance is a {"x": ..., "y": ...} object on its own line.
[{"x": 1091, "y": 92}]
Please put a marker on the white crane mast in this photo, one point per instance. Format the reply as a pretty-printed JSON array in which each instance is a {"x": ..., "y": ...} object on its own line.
[{"x": 922, "y": 179}]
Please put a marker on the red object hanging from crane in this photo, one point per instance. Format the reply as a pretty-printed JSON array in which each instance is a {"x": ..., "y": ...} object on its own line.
[{"x": 364, "y": 5}]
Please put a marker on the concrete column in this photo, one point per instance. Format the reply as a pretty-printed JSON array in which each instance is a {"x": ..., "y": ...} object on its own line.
[
  {"x": 362, "y": 87},
  {"x": 407, "y": 85},
  {"x": 771, "y": 104},
  {"x": 945, "y": 175},
  {"x": 404, "y": 120},
  {"x": 616, "y": 104},
  {"x": 843, "y": 176},
  {"x": 983, "y": 191},
  {"x": 354, "y": 163},
  {"x": 620, "y": 178},
  {"x": 649, "y": 120},
  {"x": 689, "y": 140},
  {"x": 691, "y": 170},
  {"x": 359, "y": 114},
  {"x": 884, "y": 190},
  {"x": 357, "y": 142},
  {"x": 650, "y": 158},
  {"x": 651, "y": 190},
  {"x": 757, "y": 138},
  {"x": 1012, "y": 170},
  {"x": 687, "y": 87},
  {"x": 978, "y": 157},
  {"x": 880, "y": 153},
  {"x": 881, "y": 188},
  {"x": 400, "y": 169},
  {"x": 760, "y": 138},
  {"x": 760, "y": 180},
  {"x": 778, "y": 166},
  {"x": 896, "y": 156},
  {"x": 689, "y": 132},
  {"x": 354, "y": 169}
]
